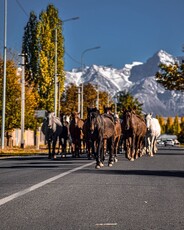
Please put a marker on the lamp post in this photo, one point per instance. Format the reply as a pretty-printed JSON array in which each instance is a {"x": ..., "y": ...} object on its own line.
[
  {"x": 82, "y": 87},
  {"x": 4, "y": 75},
  {"x": 55, "y": 64}
]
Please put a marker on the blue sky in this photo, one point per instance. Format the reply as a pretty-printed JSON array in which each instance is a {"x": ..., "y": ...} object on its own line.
[{"x": 126, "y": 30}]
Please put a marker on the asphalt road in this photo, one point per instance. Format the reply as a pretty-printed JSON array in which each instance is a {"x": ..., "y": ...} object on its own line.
[{"x": 38, "y": 193}]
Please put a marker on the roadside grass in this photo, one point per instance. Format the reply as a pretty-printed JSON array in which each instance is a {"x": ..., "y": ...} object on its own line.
[{"x": 17, "y": 151}]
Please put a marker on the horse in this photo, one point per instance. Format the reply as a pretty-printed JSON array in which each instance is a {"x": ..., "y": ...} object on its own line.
[
  {"x": 102, "y": 127},
  {"x": 153, "y": 132},
  {"x": 65, "y": 134},
  {"x": 51, "y": 128},
  {"x": 134, "y": 134},
  {"x": 75, "y": 128},
  {"x": 89, "y": 138},
  {"x": 118, "y": 130}
]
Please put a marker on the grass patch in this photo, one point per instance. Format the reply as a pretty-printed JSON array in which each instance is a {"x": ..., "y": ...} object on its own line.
[{"x": 17, "y": 151}]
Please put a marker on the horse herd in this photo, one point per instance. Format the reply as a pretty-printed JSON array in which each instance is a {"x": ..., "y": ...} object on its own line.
[{"x": 102, "y": 134}]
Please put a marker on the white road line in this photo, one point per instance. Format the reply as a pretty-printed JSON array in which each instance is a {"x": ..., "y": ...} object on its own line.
[{"x": 41, "y": 184}]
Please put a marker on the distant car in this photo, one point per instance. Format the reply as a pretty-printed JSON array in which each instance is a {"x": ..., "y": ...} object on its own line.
[
  {"x": 160, "y": 143},
  {"x": 176, "y": 142},
  {"x": 169, "y": 142}
]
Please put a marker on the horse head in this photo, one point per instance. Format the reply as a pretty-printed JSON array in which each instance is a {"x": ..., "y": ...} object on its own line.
[
  {"x": 127, "y": 119},
  {"x": 93, "y": 118},
  {"x": 148, "y": 118}
]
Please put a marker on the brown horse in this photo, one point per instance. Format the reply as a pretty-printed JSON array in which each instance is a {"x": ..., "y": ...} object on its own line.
[
  {"x": 75, "y": 128},
  {"x": 102, "y": 127},
  {"x": 88, "y": 136},
  {"x": 118, "y": 130},
  {"x": 134, "y": 134}
]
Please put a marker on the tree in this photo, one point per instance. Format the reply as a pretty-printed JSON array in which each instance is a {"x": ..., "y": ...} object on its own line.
[
  {"x": 39, "y": 42},
  {"x": 127, "y": 101},
  {"x": 13, "y": 99},
  {"x": 30, "y": 48},
  {"x": 169, "y": 125},
  {"x": 171, "y": 76},
  {"x": 176, "y": 126},
  {"x": 162, "y": 123}
]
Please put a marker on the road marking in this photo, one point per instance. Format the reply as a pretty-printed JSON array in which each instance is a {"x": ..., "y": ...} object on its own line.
[
  {"x": 106, "y": 224},
  {"x": 41, "y": 184}
]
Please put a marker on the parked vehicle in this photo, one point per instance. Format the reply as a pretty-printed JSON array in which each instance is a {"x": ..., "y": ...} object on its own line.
[{"x": 169, "y": 142}]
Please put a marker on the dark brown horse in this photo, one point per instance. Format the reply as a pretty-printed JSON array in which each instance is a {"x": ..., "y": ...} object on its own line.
[
  {"x": 134, "y": 134},
  {"x": 89, "y": 137},
  {"x": 118, "y": 130},
  {"x": 65, "y": 134},
  {"x": 102, "y": 127},
  {"x": 75, "y": 128},
  {"x": 52, "y": 129}
]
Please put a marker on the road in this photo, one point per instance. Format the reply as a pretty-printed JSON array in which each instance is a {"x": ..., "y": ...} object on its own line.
[{"x": 70, "y": 194}]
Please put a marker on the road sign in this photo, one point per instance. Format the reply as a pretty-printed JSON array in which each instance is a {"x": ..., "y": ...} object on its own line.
[{"x": 40, "y": 113}]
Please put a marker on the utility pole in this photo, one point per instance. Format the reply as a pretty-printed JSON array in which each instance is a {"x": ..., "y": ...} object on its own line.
[
  {"x": 22, "y": 100},
  {"x": 79, "y": 99},
  {"x": 55, "y": 75},
  {"x": 4, "y": 76}
]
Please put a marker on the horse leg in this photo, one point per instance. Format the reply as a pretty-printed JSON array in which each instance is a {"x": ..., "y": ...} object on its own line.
[
  {"x": 98, "y": 155},
  {"x": 53, "y": 149},
  {"x": 133, "y": 148},
  {"x": 116, "y": 142},
  {"x": 49, "y": 148},
  {"x": 111, "y": 153}
]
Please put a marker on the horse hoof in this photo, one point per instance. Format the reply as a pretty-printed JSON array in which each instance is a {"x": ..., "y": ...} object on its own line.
[
  {"x": 132, "y": 159},
  {"x": 110, "y": 164},
  {"x": 101, "y": 164},
  {"x": 115, "y": 160},
  {"x": 97, "y": 166}
]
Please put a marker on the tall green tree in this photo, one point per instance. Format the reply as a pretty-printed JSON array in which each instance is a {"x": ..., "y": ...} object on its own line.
[
  {"x": 171, "y": 76},
  {"x": 127, "y": 101},
  {"x": 40, "y": 40},
  {"x": 30, "y": 44}
]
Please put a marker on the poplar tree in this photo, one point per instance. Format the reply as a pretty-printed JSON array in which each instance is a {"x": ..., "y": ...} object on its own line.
[
  {"x": 176, "y": 126},
  {"x": 162, "y": 123},
  {"x": 48, "y": 24},
  {"x": 39, "y": 43},
  {"x": 169, "y": 125},
  {"x": 30, "y": 49}
]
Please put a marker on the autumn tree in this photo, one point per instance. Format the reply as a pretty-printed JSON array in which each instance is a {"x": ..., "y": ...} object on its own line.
[
  {"x": 13, "y": 99},
  {"x": 39, "y": 42},
  {"x": 162, "y": 123},
  {"x": 171, "y": 76},
  {"x": 169, "y": 125},
  {"x": 176, "y": 126}
]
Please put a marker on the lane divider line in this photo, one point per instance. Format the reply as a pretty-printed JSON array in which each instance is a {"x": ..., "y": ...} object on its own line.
[{"x": 41, "y": 184}]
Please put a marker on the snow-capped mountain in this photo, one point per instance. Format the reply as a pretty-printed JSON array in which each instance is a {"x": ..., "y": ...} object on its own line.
[{"x": 137, "y": 78}]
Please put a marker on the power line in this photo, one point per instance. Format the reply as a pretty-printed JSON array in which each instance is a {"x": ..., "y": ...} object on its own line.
[
  {"x": 22, "y": 8},
  {"x": 73, "y": 59}
]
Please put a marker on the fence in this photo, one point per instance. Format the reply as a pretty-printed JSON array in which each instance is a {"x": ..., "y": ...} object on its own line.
[{"x": 31, "y": 138}]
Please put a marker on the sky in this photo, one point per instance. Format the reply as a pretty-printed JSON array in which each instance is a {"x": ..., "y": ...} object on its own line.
[{"x": 125, "y": 30}]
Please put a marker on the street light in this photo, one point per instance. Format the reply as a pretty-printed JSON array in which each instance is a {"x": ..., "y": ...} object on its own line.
[
  {"x": 82, "y": 87},
  {"x": 4, "y": 75},
  {"x": 55, "y": 63}
]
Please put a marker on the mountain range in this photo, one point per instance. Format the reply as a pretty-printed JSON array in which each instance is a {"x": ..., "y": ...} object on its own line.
[{"x": 137, "y": 78}]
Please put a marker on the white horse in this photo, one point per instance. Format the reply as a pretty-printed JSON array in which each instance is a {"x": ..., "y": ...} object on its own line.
[{"x": 153, "y": 132}]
